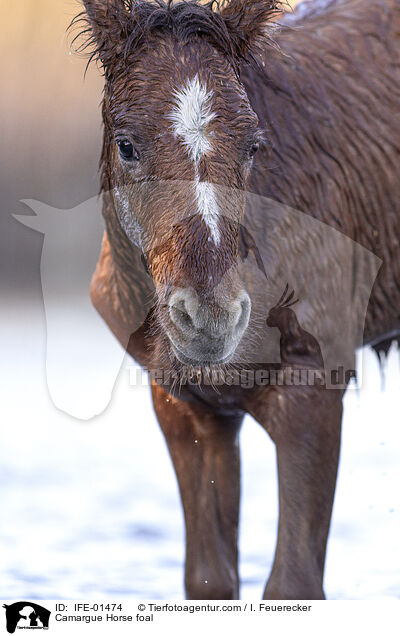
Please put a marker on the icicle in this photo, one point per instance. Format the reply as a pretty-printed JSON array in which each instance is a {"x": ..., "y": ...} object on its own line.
[
  {"x": 382, "y": 349},
  {"x": 358, "y": 388},
  {"x": 398, "y": 350},
  {"x": 382, "y": 359}
]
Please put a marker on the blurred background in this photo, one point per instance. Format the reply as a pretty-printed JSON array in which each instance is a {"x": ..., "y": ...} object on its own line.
[
  {"x": 90, "y": 508},
  {"x": 50, "y": 128}
]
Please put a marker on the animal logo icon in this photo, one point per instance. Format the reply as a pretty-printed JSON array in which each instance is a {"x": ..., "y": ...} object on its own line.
[
  {"x": 297, "y": 346},
  {"x": 25, "y": 615}
]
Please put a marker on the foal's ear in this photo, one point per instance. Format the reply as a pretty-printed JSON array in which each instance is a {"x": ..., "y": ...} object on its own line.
[
  {"x": 247, "y": 22},
  {"x": 104, "y": 28}
]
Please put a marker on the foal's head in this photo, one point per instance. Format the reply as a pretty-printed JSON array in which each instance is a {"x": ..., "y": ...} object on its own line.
[{"x": 180, "y": 137}]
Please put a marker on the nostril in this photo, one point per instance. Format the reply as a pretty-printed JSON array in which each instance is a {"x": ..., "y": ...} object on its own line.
[
  {"x": 180, "y": 316},
  {"x": 243, "y": 316}
]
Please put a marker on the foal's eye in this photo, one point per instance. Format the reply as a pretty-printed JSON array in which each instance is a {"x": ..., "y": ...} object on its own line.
[
  {"x": 127, "y": 150},
  {"x": 255, "y": 146}
]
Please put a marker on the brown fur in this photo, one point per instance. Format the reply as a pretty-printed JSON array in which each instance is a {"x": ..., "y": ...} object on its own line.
[{"x": 327, "y": 94}]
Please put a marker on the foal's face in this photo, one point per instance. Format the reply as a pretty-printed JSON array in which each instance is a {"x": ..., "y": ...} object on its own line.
[{"x": 181, "y": 138}]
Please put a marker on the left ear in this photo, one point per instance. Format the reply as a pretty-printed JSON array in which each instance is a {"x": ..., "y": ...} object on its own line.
[
  {"x": 104, "y": 29},
  {"x": 247, "y": 22}
]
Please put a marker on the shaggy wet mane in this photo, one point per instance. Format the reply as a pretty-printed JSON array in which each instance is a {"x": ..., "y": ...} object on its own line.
[{"x": 236, "y": 29}]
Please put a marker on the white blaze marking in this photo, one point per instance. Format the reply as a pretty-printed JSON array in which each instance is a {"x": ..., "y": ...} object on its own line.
[
  {"x": 208, "y": 207},
  {"x": 190, "y": 117}
]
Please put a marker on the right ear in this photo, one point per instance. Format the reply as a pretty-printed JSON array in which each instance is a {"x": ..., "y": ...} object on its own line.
[
  {"x": 248, "y": 22},
  {"x": 103, "y": 29}
]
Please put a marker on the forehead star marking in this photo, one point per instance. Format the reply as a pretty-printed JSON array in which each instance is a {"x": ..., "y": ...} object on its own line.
[{"x": 190, "y": 116}]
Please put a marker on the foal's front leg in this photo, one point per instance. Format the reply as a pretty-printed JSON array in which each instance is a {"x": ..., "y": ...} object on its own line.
[
  {"x": 305, "y": 424},
  {"x": 205, "y": 453}
]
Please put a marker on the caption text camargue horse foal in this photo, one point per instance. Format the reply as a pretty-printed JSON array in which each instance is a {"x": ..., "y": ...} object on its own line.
[{"x": 251, "y": 194}]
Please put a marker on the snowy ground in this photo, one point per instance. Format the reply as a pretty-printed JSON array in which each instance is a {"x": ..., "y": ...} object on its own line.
[{"x": 91, "y": 510}]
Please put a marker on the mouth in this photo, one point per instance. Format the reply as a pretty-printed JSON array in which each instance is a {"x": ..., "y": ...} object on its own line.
[{"x": 203, "y": 363}]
